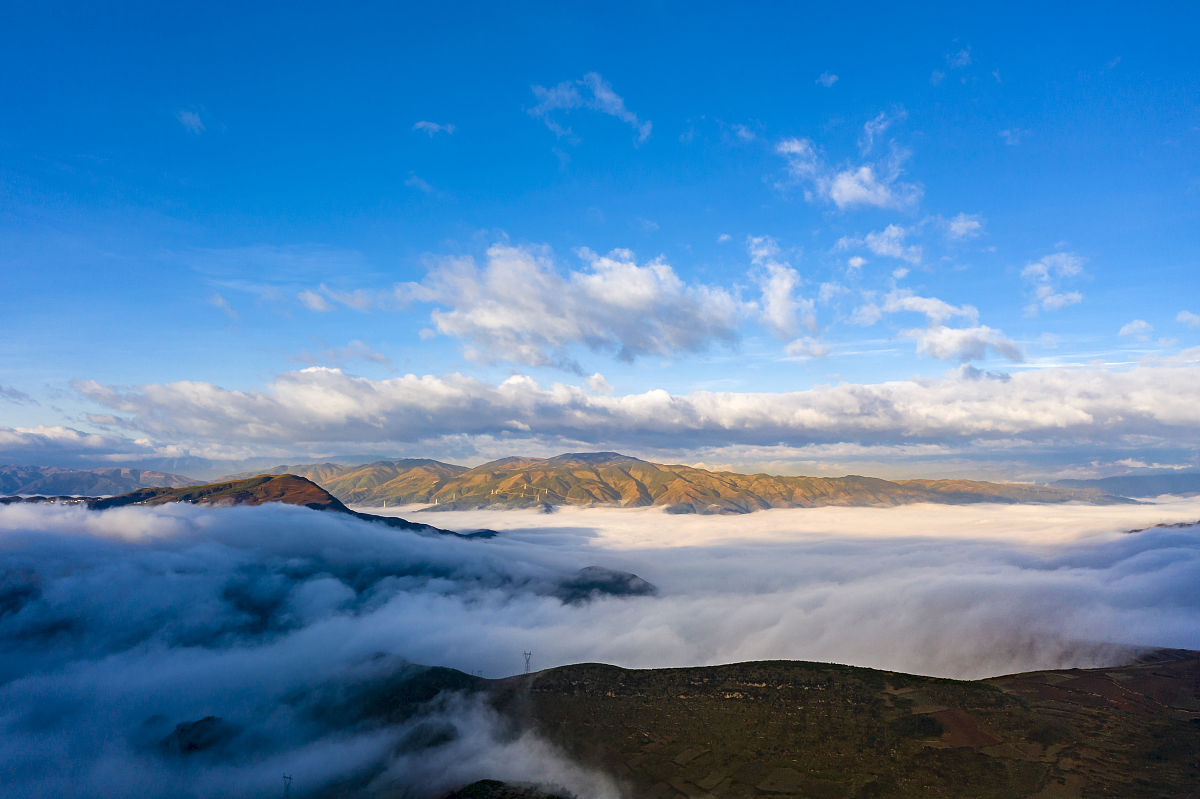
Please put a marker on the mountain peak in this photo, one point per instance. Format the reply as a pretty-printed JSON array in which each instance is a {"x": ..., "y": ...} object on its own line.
[{"x": 289, "y": 489}]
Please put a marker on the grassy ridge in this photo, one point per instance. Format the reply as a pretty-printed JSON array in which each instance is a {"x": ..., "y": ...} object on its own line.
[{"x": 608, "y": 478}]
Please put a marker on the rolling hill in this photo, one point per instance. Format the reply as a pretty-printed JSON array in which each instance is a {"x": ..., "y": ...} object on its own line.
[
  {"x": 609, "y": 478},
  {"x": 827, "y": 731}
]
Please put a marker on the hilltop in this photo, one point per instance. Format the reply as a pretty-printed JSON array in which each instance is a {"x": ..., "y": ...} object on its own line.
[
  {"x": 794, "y": 728},
  {"x": 609, "y": 478}
]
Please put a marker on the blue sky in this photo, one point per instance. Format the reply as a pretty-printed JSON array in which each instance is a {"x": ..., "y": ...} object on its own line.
[{"x": 951, "y": 241}]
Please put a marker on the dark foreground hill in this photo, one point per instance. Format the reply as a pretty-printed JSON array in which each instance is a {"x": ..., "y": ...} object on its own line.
[
  {"x": 774, "y": 729},
  {"x": 818, "y": 730},
  {"x": 796, "y": 729},
  {"x": 264, "y": 489},
  {"x": 608, "y": 478}
]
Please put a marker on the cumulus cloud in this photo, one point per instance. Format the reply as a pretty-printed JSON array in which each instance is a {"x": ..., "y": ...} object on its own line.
[
  {"x": 433, "y": 128},
  {"x": 963, "y": 344},
  {"x": 782, "y": 306},
  {"x": 827, "y": 79},
  {"x": 1150, "y": 406},
  {"x": 1188, "y": 318},
  {"x": 122, "y": 629},
  {"x": 191, "y": 121},
  {"x": 964, "y": 226},
  {"x": 59, "y": 445},
  {"x": 1045, "y": 277},
  {"x": 590, "y": 92},
  {"x": 875, "y": 184},
  {"x": 936, "y": 311},
  {"x": 520, "y": 307},
  {"x": 1138, "y": 329},
  {"x": 889, "y": 242}
]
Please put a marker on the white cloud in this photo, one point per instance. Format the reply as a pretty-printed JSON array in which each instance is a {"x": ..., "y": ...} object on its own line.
[
  {"x": 433, "y": 128},
  {"x": 1013, "y": 136},
  {"x": 324, "y": 297},
  {"x": 877, "y": 126},
  {"x": 1045, "y": 276},
  {"x": 873, "y": 184},
  {"x": 355, "y": 350},
  {"x": 314, "y": 301},
  {"x": 889, "y": 242},
  {"x": 806, "y": 347},
  {"x": 192, "y": 121},
  {"x": 217, "y": 301},
  {"x": 1139, "y": 329},
  {"x": 724, "y": 238},
  {"x": 598, "y": 385},
  {"x": 1188, "y": 318},
  {"x": 963, "y": 344},
  {"x": 937, "y": 311},
  {"x": 744, "y": 133},
  {"x": 520, "y": 307},
  {"x": 420, "y": 184},
  {"x": 1145, "y": 408},
  {"x": 590, "y": 92},
  {"x": 782, "y": 306},
  {"x": 866, "y": 315},
  {"x": 827, "y": 79},
  {"x": 959, "y": 59},
  {"x": 964, "y": 226},
  {"x": 855, "y": 261}
]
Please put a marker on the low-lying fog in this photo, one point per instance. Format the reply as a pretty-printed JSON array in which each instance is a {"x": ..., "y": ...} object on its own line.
[{"x": 117, "y": 626}]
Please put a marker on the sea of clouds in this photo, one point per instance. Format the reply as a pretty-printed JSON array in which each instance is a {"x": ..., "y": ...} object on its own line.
[{"x": 292, "y": 626}]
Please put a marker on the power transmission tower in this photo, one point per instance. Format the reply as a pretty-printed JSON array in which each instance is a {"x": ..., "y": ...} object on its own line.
[
  {"x": 528, "y": 655},
  {"x": 287, "y": 786}
]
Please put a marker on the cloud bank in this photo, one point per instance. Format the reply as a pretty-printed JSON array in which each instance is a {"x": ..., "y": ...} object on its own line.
[{"x": 1146, "y": 407}]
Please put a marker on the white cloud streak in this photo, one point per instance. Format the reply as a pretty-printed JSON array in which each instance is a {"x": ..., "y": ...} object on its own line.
[
  {"x": 433, "y": 128},
  {"x": 590, "y": 92}
]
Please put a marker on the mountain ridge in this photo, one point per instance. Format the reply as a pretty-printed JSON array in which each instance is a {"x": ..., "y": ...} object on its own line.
[
  {"x": 612, "y": 479},
  {"x": 102, "y": 480}
]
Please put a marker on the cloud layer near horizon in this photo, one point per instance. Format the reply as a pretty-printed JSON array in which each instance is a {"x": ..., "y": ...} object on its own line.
[
  {"x": 117, "y": 626},
  {"x": 1093, "y": 410}
]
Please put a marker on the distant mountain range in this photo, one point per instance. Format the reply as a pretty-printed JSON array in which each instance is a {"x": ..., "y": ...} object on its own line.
[
  {"x": 1140, "y": 485},
  {"x": 609, "y": 478},
  {"x": 52, "y": 480}
]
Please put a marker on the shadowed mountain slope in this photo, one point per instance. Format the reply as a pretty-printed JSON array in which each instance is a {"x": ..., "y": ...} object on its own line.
[
  {"x": 775, "y": 729},
  {"x": 609, "y": 478}
]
